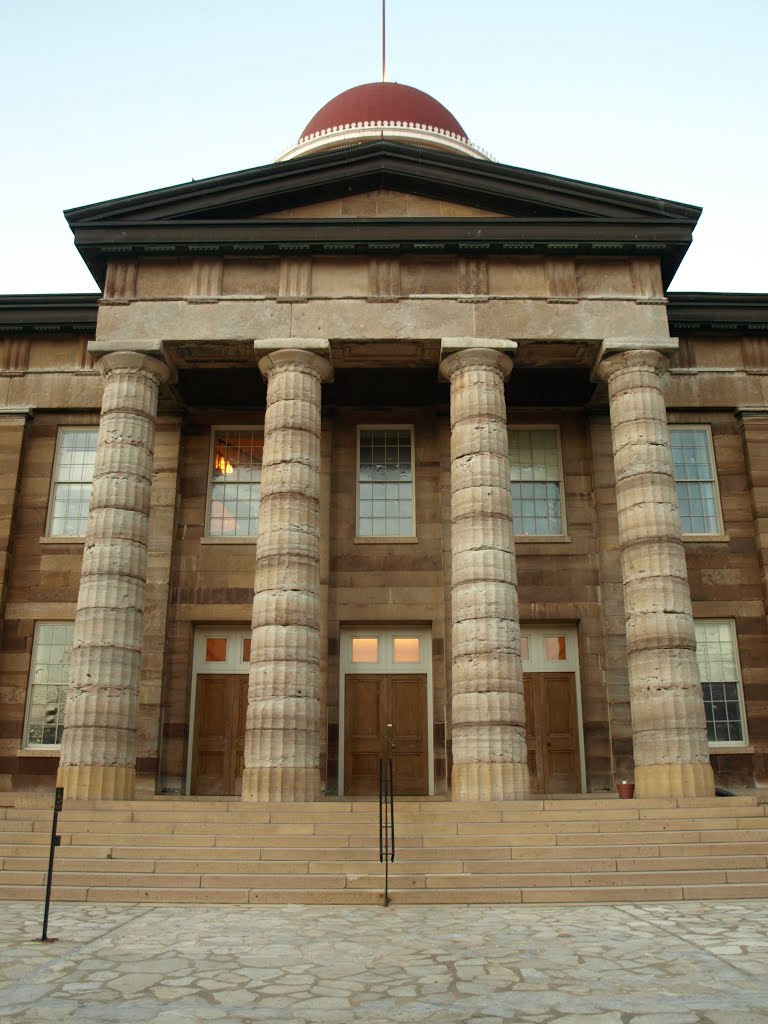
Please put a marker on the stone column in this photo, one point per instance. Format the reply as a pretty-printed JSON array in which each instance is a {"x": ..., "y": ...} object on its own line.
[
  {"x": 162, "y": 524},
  {"x": 98, "y": 747},
  {"x": 490, "y": 759},
  {"x": 282, "y": 739},
  {"x": 668, "y": 723}
]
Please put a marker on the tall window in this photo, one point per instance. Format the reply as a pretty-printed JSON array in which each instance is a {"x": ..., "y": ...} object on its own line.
[
  {"x": 72, "y": 481},
  {"x": 536, "y": 479},
  {"x": 47, "y": 683},
  {"x": 235, "y": 483},
  {"x": 385, "y": 482},
  {"x": 720, "y": 681},
  {"x": 695, "y": 479}
]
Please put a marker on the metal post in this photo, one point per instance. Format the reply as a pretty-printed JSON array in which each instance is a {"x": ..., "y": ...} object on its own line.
[
  {"x": 392, "y": 807},
  {"x": 386, "y": 819},
  {"x": 58, "y": 803}
]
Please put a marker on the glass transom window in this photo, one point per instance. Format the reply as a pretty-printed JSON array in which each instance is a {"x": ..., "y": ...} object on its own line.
[
  {"x": 405, "y": 650},
  {"x": 695, "y": 479},
  {"x": 365, "y": 650},
  {"x": 48, "y": 680},
  {"x": 72, "y": 482},
  {"x": 233, "y": 509},
  {"x": 536, "y": 480},
  {"x": 720, "y": 681},
  {"x": 385, "y": 482}
]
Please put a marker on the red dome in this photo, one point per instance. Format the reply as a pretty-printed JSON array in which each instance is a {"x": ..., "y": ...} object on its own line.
[{"x": 384, "y": 101}]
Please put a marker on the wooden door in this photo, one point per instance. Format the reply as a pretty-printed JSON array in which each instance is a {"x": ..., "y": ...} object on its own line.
[
  {"x": 552, "y": 732},
  {"x": 217, "y": 759},
  {"x": 385, "y": 715},
  {"x": 407, "y": 713}
]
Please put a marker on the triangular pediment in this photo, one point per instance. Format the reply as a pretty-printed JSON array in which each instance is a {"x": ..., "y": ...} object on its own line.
[
  {"x": 463, "y": 181},
  {"x": 444, "y": 199},
  {"x": 381, "y": 203}
]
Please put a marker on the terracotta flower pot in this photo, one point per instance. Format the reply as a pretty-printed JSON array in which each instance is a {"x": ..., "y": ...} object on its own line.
[{"x": 626, "y": 790}]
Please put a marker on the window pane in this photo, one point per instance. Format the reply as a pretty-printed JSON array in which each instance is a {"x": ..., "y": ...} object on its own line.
[
  {"x": 718, "y": 667},
  {"x": 385, "y": 487},
  {"x": 216, "y": 648},
  {"x": 695, "y": 479},
  {"x": 72, "y": 482},
  {"x": 49, "y": 675},
  {"x": 246, "y": 652},
  {"x": 534, "y": 470},
  {"x": 365, "y": 650},
  {"x": 554, "y": 648},
  {"x": 235, "y": 483},
  {"x": 525, "y": 648},
  {"x": 406, "y": 649}
]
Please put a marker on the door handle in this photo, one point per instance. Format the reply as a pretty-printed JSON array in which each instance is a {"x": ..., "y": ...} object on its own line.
[{"x": 390, "y": 737}]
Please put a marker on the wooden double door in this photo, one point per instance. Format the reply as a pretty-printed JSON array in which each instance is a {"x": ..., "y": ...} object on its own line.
[
  {"x": 385, "y": 715},
  {"x": 552, "y": 732},
  {"x": 220, "y": 709}
]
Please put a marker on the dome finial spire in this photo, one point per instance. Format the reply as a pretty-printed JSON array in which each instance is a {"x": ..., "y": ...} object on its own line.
[{"x": 383, "y": 40}]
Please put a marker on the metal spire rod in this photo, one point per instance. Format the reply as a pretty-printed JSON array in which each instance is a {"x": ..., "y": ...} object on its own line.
[{"x": 383, "y": 40}]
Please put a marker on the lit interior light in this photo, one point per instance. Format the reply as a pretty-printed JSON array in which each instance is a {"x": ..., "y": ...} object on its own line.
[{"x": 223, "y": 465}]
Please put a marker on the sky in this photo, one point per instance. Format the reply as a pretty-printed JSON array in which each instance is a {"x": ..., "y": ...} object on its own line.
[{"x": 664, "y": 97}]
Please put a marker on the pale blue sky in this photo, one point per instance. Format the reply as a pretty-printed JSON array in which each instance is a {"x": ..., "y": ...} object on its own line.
[{"x": 665, "y": 97}]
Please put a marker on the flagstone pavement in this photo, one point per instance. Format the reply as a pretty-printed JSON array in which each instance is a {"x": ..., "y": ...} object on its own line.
[{"x": 656, "y": 963}]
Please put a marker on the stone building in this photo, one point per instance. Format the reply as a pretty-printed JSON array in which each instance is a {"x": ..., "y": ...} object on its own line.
[{"x": 383, "y": 447}]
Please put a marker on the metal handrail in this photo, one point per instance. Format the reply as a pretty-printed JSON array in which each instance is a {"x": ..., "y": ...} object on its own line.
[
  {"x": 386, "y": 820},
  {"x": 58, "y": 805}
]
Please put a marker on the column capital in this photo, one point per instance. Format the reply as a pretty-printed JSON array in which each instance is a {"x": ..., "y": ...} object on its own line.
[
  {"x": 320, "y": 346},
  {"x": 450, "y": 345},
  {"x": 653, "y": 353},
  {"x": 464, "y": 359},
  {"x": 135, "y": 361},
  {"x": 745, "y": 413},
  {"x": 17, "y": 413},
  {"x": 300, "y": 359}
]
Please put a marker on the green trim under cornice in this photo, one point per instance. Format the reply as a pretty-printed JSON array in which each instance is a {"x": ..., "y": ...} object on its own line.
[{"x": 667, "y": 241}]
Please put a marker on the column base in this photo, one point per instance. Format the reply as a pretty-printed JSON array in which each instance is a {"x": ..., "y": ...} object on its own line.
[
  {"x": 281, "y": 784},
  {"x": 504, "y": 781},
  {"x": 97, "y": 781},
  {"x": 674, "y": 780}
]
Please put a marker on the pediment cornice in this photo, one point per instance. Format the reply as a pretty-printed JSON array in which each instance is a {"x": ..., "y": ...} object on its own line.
[{"x": 528, "y": 212}]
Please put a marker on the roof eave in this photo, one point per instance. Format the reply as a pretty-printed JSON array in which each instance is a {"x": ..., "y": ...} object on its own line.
[
  {"x": 46, "y": 313},
  {"x": 745, "y": 312}
]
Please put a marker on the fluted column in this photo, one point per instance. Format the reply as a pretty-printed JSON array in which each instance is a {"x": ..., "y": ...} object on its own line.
[
  {"x": 490, "y": 760},
  {"x": 282, "y": 741},
  {"x": 98, "y": 746},
  {"x": 668, "y": 723}
]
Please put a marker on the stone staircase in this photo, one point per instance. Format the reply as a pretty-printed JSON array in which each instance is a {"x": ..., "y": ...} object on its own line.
[{"x": 538, "y": 851}]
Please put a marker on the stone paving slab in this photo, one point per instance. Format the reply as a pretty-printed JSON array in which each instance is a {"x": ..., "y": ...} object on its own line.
[{"x": 661, "y": 963}]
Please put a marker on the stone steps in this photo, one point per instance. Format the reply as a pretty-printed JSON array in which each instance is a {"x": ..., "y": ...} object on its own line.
[{"x": 545, "y": 851}]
